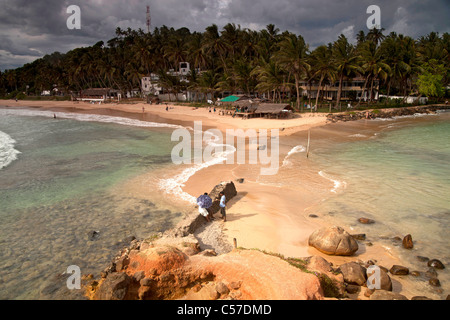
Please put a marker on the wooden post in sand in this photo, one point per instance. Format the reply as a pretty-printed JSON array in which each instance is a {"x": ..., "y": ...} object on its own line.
[{"x": 309, "y": 139}]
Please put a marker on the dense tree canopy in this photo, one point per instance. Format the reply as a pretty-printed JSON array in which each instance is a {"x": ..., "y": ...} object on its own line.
[{"x": 240, "y": 60}]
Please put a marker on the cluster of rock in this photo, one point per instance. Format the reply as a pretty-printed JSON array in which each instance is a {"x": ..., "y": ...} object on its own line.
[
  {"x": 175, "y": 268},
  {"x": 384, "y": 113},
  {"x": 172, "y": 265},
  {"x": 356, "y": 275}
]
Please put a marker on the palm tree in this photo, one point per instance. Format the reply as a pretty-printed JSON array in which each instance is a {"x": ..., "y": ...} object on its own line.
[
  {"x": 242, "y": 75},
  {"x": 207, "y": 82},
  {"x": 196, "y": 52},
  {"x": 376, "y": 35},
  {"x": 11, "y": 78},
  {"x": 346, "y": 62},
  {"x": 175, "y": 52},
  {"x": 292, "y": 56},
  {"x": 373, "y": 65},
  {"x": 323, "y": 67},
  {"x": 360, "y": 37},
  {"x": 270, "y": 78},
  {"x": 214, "y": 45}
]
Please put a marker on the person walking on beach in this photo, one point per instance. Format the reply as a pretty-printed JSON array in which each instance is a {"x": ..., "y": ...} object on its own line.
[
  {"x": 204, "y": 202},
  {"x": 222, "y": 206}
]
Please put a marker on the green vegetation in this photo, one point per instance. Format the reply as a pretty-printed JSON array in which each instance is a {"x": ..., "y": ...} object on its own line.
[{"x": 242, "y": 60}]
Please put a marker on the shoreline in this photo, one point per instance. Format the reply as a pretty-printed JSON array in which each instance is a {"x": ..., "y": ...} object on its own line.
[{"x": 257, "y": 208}]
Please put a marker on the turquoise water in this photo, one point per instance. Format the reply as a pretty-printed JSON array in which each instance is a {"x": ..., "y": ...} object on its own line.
[
  {"x": 399, "y": 177},
  {"x": 55, "y": 190}
]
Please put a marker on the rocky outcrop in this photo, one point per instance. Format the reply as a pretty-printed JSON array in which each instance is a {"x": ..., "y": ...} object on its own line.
[
  {"x": 173, "y": 266},
  {"x": 160, "y": 271},
  {"x": 333, "y": 241},
  {"x": 229, "y": 190},
  {"x": 384, "y": 113},
  {"x": 193, "y": 221}
]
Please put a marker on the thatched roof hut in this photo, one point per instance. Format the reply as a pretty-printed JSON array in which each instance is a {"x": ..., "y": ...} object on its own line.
[
  {"x": 98, "y": 94},
  {"x": 274, "y": 110}
]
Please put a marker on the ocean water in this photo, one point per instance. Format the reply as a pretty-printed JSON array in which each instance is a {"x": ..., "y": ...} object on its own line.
[
  {"x": 58, "y": 206},
  {"x": 399, "y": 176}
]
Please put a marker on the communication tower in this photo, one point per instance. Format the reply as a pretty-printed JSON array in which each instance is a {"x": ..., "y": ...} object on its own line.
[{"x": 149, "y": 19}]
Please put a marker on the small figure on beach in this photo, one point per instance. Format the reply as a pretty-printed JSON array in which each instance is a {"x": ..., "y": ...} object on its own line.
[
  {"x": 54, "y": 116},
  {"x": 167, "y": 108},
  {"x": 143, "y": 109},
  {"x": 209, "y": 109},
  {"x": 204, "y": 202},
  {"x": 222, "y": 206}
]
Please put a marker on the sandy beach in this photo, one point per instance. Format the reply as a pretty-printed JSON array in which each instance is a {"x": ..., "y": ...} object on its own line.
[{"x": 263, "y": 215}]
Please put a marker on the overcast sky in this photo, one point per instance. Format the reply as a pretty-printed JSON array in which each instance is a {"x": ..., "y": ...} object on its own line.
[{"x": 31, "y": 29}]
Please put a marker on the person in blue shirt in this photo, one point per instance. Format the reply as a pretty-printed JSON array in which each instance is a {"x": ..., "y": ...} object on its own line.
[{"x": 222, "y": 206}]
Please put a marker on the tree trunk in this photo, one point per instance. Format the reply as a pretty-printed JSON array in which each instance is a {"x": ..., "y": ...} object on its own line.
[
  {"x": 341, "y": 78},
  {"x": 388, "y": 91},
  {"x": 318, "y": 90},
  {"x": 309, "y": 96},
  {"x": 364, "y": 90},
  {"x": 371, "y": 90},
  {"x": 298, "y": 93}
]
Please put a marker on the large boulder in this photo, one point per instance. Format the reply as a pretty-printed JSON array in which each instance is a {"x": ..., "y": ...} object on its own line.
[
  {"x": 354, "y": 273},
  {"x": 193, "y": 220},
  {"x": 383, "y": 283},
  {"x": 229, "y": 190},
  {"x": 333, "y": 241},
  {"x": 387, "y": 295}
]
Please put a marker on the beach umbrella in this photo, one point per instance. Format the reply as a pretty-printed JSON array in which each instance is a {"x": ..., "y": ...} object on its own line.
[{"x": 204, "y": 201}]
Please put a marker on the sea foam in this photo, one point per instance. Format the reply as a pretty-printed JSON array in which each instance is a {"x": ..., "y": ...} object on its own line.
[
  {"x": 337, "y": 184},
  {"x": 7, "y": 152},
  {"x": 294, "y": 150},
  {"x": 89, "y": 118},
  {"x": 174, "y": 185}
]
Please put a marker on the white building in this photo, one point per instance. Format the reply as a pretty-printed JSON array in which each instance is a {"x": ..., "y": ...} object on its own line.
[
  {"x": 185, "y": 69},
  {"x": 149, "y": 85}
]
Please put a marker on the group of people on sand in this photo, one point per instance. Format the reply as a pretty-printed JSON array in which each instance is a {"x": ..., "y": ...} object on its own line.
[{"x": 222, "y": 204}]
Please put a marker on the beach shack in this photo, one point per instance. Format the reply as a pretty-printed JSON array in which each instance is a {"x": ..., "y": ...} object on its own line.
[
  {"x": 98, "y": 94},
  {"x": 228, "y": 102},
  {"x": 273, "y": 110},
  {"x": 244, "y": 108}
]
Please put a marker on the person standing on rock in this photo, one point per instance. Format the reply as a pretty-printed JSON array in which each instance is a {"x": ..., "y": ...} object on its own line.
[{"x": 222, "y": 206}]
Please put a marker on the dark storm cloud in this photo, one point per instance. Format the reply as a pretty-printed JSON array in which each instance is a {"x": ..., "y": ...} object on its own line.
[{"x": 30, "y": 29}]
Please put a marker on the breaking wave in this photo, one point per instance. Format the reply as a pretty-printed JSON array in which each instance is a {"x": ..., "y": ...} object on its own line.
[
  {"x": 7, "y": 152},
  {"x": 294, "y": 150}
]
